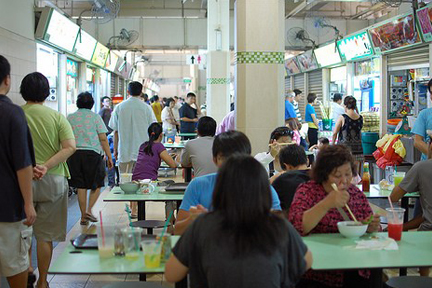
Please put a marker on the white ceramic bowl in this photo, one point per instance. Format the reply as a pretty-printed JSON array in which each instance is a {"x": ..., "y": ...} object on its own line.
[{"x": 351, "y": 229}]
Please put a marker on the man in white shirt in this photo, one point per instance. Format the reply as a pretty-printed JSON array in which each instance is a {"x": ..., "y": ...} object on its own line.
[
  {"x": 130, "y": 121},
  {"x": 336, "y": 108}
]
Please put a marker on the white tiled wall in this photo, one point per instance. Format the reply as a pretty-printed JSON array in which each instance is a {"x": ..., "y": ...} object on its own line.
[{"x": 21, "y": 54}]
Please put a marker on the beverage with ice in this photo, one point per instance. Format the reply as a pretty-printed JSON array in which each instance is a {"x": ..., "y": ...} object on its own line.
[
  {"x": 105, "y": 238},
  {"x": 398, "y": 177},
  {"x": 132, "y": 240},
  {"x": 395, "y": 218},
  {"x": 152, "y": 253}
]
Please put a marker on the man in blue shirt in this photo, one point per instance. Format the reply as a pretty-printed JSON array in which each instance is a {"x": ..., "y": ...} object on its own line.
[
  {"x": 199, "y": 193},
  {"x": 421, "y": 125},
  {"x": 289, "y": 107}
]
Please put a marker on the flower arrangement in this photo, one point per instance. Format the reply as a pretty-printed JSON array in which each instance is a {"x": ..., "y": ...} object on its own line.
[{"x": 325, "y": 110}]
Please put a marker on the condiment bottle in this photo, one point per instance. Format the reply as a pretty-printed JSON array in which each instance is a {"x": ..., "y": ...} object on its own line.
[{"x": 366, "y": 178}]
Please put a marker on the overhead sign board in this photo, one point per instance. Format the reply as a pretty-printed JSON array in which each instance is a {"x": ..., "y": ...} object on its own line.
[
  {"x": 327, "y": 55},
  {"x": 307, "y": 61},
  {"x": 355, "y": 47},
  {"x": 291, "y": 66},
  {"x": 424, "y": 17},
  {"x": 85, "y": 45},
  {"x": 100, "y": 55}
]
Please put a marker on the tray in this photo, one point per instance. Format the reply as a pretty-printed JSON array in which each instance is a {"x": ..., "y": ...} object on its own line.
[{"x": 89, "y": 241}]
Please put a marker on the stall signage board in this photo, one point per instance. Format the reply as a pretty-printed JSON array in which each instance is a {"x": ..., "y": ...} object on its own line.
[
  {"x": 307, "y": 61},
  {"x": 100, "y": 55},
  {"x": 291, "y": 66},
  {"x": 394, "y": 34},
  {"x": 355, "y": 47},
  {"x": 327, "y": 55},
  {"x": 61, "y": 31},
  {"x": 424, "y": 17},
  {"x": 111, "y": 62},
  {"x": 71, "y": 68},
  {"x": 85, "y": 46}
]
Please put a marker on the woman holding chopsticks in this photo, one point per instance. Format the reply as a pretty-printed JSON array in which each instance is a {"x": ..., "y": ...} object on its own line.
[{"x": 316, "y": 205}]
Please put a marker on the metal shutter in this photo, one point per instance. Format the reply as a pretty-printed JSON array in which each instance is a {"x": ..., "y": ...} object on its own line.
[
  {"x": 408, "y": 58},
  {"x": 299, "y": 81},
  {"x": 287, "y": 83},
  {"x": 112, "y": 84},
  {"x": 121, "y": 86},
  {"x": 315, "y": 86}
]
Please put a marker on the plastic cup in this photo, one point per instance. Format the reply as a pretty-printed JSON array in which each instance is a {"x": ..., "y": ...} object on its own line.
[
  {"x": 132, "y": 240},
  {"x": 395, "y": 219},
  {"x": 166, "y": 246},
  {"x": 398, "y": 177},
  {"x": 125, "y": 177},
  {"x": 152, "y": 253},
  {"x": 105, "y": 242}
]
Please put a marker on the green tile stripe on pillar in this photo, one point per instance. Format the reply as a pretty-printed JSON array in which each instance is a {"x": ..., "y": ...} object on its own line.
[
  {"x": 218, "y": 81},
  {"x": 260, "y": 57}
]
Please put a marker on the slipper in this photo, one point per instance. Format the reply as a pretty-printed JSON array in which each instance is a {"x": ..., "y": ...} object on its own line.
[
  {"x": 31, "y": 280},
  {"x": 91, "y": 218},
  {"x": 84, "y": 223},
  {"x": 134, "y": 216}
]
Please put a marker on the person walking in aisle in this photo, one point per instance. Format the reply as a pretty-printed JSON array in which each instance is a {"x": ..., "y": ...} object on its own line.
[
  {"x": 130, "y": 121},
  {"x": 54, "y": 143},
  {"x": 157, "y": 109},
  {"x": 87, "y": 167},
  {"x": 106, "y": 112},
  {"x": 311, "y": 119},
  {"x": 289, "y": 107},
  {"x": 17, "y": 212},
  {"x": 297, "y": 98}
]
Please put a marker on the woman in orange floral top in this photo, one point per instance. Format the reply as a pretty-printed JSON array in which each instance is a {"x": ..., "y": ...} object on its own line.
[{"x": 314, "y": 210}]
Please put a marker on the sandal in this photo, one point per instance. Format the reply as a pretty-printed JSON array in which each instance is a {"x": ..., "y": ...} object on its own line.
[
  {"x": 134, "y": 216},
  {"x": 31, "y": 280},
  {"x": 84, "y": 222},
  {"x": 90, "y": 217}
]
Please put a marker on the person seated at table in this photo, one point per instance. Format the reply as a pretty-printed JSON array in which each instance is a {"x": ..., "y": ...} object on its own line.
[
  {"x": 314, "y": 210},
  {"x": 198, "y": 152},
  {"x": 240, "y": 243},
  {"x": 150, "y": 155},
  {"x": 281, "y": 135},
  {"x": 198, "y": 195},
  {"x": 293, "y": 161},
  {"x": 418, "y": 179},
  {"x": 322, "y": 142}
]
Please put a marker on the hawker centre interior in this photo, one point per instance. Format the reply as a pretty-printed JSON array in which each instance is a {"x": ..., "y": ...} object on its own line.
[{"x": 215, "y": 143}]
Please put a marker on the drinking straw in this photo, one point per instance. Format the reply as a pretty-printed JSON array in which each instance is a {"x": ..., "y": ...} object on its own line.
[
  {"x": 346, "y": 205},
  {"x": 391, "y": 206},
  {"x": 163, "y": 231},
  {"x": 128, "y": 211},
  {"x": 102, "y": 230}
]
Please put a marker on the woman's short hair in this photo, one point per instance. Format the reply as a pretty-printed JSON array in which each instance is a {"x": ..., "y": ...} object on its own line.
[
  {"x": 35, "y": 87},
  {"x": 350, "y": 102},
  {"x": 330, "y": 158},
  {"x": 231, "y": 142},
  {"x": 311, "y": 97},
  {"x": 85, "y": 100}
]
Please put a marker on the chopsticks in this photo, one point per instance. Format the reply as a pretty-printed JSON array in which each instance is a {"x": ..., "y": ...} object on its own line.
[
  {"x": 346, "y": 205},
  {"x": 283, "y": 144}
]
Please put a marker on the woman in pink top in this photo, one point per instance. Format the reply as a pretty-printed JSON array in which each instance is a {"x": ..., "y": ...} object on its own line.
[
  {"x": 295, "y": 126},
  {"x": 314, "y": 210}
]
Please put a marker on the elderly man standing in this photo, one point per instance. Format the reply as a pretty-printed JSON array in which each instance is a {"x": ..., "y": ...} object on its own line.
[
  {"x": 289, "y": 107},
  {"x": 130, "y": 121}
]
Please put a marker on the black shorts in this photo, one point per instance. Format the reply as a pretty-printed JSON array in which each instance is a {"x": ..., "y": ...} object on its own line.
[{"x": 87, "y": 170}]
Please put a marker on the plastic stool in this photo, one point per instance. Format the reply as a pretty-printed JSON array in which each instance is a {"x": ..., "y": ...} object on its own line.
[
  {"x": 409, "y": 281},
  {"x": 149, "y": 225},
  {"x": 133, "y": 284}
]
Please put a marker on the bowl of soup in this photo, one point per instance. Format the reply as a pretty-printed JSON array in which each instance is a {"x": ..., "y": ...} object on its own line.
[
  {"x": 352, "y": 229},
  {"x": 129, "y": 187}
]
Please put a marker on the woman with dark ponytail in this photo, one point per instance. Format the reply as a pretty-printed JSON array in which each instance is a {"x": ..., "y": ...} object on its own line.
[
  {"x": 150, "y": 155},
  {"x": 348, "y": 130}
]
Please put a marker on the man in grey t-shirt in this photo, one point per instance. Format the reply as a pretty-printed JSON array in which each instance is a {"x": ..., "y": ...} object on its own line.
[
  {"x": 418, "y": 178},
  {"x": 198, "y": 152}
]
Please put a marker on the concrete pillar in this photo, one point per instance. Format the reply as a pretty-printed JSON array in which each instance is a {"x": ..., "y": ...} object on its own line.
[
  {"x": 61, "y": 89},
  {"x": 218, "y": 59},
  {"x": 350, "y": 79},
  {"x": 260, "y": 51},
  {"x": 326, "y": 84}
]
